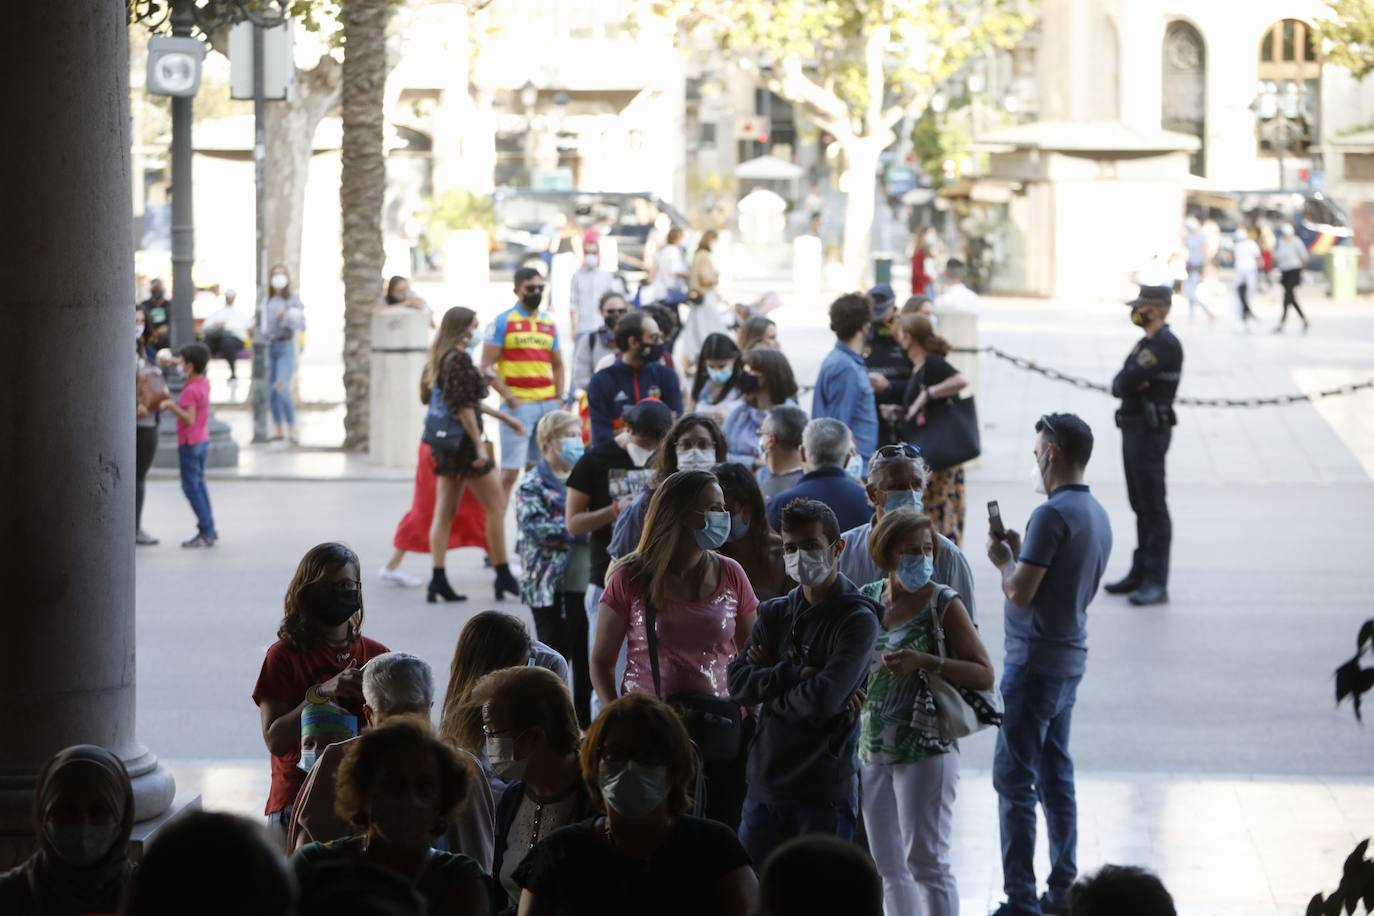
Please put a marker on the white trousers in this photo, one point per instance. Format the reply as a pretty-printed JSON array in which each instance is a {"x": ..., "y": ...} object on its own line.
[{"x": 909, "y": 813}]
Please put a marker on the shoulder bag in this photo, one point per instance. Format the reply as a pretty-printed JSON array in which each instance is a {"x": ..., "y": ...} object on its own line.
[
  {"x": 443, "y": 432},
  {"x": 714, "y": 724},
  {"x": 949, "y": 435},
  {"x": 961, "y": 711}
]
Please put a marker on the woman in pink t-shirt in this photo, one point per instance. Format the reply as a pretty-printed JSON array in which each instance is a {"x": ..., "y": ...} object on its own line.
[{"x": 704, "y": 608}]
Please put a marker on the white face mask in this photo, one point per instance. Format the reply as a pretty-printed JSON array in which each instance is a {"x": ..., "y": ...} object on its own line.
[
  {"x": 809, "y": 567},
  {"x": 81, "y": 845},
  {"x": 632, "y": 789},
  {"x": 138, "y": 330},
  {"x": 278, "y": 281},
  {"x": 592, "y": 261},
  {"x": 501, "y": 756},
  {"x": 640, "y": 456},
  {"x": 695, "y": 459},
  {"x": 854, "y": 469}
]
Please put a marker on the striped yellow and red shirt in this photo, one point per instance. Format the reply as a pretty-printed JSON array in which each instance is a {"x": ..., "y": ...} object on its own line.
[{"x": 527, "y": 342}]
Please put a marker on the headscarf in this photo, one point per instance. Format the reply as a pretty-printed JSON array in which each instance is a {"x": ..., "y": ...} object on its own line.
[{"x": 60, "y": 888}]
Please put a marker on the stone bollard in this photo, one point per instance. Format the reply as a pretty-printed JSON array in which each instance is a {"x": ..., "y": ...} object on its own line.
[
  {"x": 400, "y": 346},
  {"x": 960, "y": 328}
]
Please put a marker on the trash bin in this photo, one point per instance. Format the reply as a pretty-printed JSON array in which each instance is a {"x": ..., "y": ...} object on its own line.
[
  {"x": 1342, "y": 265},
  {"x": 882, "y": 270}
]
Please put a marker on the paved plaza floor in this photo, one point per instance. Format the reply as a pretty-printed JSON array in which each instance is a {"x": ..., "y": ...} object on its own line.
[{"x": 1206, "y": 738}]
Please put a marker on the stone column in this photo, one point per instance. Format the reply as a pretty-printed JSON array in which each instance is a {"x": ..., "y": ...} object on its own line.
[{"x": 66, "y": 403}]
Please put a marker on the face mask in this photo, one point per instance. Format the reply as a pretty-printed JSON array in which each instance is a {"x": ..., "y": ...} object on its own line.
[
  {"x": 81, "y": 845},
  {"x": 631, "y": 789},
  {"x": 571, "y": 450},
  {"x": 809, "y": 567},
  {"x": 720, "y": 376},
  {"x": 914, "y": 572},
  {"x": 332, "y": 607},
  {"x": 279, "y": 281},
  {"x": 138, "y": 330},
  {"x": 695, "y": 459},
  {"x": 901, "y": 499},
  {"x": 739, "y": 527},
  {"x": 715, "y": 532},
  {"x": 854, "y": 469},
  {"x": 531, "y": 300},
  {"x": 308, "y": 758},
  {"x": 639, "y": 455},
  {"x": 1138, "y": 318},
  {"x": 501, "y": 756},
  {"x": 611, "y": 319},
  {"x": 592, "y": 261},
  {"x": 651, "y": 353},
  {"x": 1037, "y": 478},
  {"x": 747, "y": 383}
]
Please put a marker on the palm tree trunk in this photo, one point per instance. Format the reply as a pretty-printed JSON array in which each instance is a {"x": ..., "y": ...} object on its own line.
[{"x": 362, "y": 189}]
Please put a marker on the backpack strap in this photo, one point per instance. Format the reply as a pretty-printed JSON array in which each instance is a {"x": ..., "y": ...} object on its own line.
[{"x": 651, "y": 637}]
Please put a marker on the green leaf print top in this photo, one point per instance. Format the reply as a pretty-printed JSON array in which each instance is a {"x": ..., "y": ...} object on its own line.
[{"x": 899, "y": 722}]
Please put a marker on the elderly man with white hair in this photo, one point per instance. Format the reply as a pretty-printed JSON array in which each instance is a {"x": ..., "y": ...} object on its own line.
[
  {"x": 833, "y": 471},
  {"x": 394, "y": 684}
]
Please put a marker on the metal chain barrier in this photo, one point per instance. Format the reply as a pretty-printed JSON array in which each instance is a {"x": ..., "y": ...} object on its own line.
[{"x": 1283, "y": 400}]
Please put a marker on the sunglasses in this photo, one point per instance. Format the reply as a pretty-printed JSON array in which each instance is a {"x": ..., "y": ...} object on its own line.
[
  {"x": 535, "y": 289},
  {"x": 899, "y": 450},
  {"x": 1048, "y": 427}
]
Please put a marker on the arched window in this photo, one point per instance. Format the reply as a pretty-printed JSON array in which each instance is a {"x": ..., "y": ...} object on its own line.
[
  {"x": 1185, "y": 88},
  {"x": 1288, "y": 102}
]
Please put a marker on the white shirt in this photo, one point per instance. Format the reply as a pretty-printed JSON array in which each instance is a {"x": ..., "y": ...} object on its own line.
[
  {"x": 234, "y": 320},
  {"x": 584, "y": 296},
  {"x": 1247, "y": 255},
  {"x": 957, "y": 298}
]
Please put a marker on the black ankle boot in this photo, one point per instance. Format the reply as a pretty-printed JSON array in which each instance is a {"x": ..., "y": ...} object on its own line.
[
  {"x": 439, "y": 588},
  {"x": 505, "y": 582}
]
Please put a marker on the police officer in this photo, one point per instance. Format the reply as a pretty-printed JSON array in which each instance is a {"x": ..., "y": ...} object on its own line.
[
  {"x": 1147, "y": 385},
  {"x": 889, "y": 369}
]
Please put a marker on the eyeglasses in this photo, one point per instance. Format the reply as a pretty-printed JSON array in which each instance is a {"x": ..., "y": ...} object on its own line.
[{"x": 898, "y": 450}]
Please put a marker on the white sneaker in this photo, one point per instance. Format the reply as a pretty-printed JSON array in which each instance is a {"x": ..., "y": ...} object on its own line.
[{"x": 397, "y": 577}]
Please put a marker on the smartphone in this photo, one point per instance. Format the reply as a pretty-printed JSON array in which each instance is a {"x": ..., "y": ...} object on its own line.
[{"x": 999, "y": 531}]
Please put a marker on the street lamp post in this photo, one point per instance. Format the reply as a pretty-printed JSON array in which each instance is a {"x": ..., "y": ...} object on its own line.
[{"x": 183, "y": 224}]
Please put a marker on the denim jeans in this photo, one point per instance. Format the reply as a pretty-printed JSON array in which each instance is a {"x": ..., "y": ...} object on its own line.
[
  {"x": 1032, "y": 763},
  {"x": 517, "y": 451},
  {"x": 765, "y": 827},
  {"x": 281, "y": 366},
  {"x": 192, "y": 461}
]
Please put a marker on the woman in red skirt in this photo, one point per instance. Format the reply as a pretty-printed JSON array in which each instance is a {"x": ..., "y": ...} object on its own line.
[{"x": 412, "y": 534}]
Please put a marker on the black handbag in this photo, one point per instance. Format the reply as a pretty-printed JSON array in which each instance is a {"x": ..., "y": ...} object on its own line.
[
  {"x": 714, "y": 725},
  {"x": 949, "y": 436},
  {"x": 443, "y": 432}
]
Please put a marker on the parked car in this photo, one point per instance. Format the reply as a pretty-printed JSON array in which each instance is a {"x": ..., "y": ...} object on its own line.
[{"x": 522, "y": 213}]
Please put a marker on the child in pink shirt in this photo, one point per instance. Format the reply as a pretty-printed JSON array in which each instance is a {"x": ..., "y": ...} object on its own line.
[{"x": 192, "y": 411}]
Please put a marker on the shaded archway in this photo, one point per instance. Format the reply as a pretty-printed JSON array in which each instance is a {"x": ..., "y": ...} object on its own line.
[
  {"x": 1289, "y": 72},
  {"x": 1184, "y": 90}
]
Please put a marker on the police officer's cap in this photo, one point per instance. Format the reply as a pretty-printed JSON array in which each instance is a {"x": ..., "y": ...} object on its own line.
[{"x": 1153, "y": 295}]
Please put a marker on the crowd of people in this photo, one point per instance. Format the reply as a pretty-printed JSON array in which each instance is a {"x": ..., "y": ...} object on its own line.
[{"x": 755, "y": 630}]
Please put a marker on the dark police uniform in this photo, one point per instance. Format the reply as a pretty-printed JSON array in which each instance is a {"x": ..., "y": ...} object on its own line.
[
  {"x": 883, "y": 355},
  {"x": 1147, "y": 385}
]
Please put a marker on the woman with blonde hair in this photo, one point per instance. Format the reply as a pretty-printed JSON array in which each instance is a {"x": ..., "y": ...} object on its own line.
[
  {"x": 698, "y": 606},
  {"x": 451, "y": 385},
  {"x": 933, "y": 381},
  {"x": 556, "y": 565}
]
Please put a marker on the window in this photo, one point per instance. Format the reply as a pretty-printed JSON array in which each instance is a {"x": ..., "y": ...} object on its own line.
[
  {"x": 1288, "y": 104},
  {"x": 708, "y": 133}
]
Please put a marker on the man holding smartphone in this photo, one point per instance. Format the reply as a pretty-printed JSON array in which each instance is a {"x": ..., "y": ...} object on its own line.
[{"x": 1048, "y": 580}]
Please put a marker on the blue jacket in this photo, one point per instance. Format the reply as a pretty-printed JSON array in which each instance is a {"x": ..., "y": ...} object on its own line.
[
  {"x": 741, "y": 430},
  {"x": 832, "y": 487},
  {"x": 844, "y": 392},
  {"x": 807, "y": 740},
  {"x": 617, "y": 388}
]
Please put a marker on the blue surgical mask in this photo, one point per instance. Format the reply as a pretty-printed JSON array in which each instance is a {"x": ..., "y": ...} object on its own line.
[
  {"x": 914, "y": 572},
  {"x": 720, "y": 376},
  {"x": 739, "y": 527},
  {"x": 716, "y": 531},
  {"x": 571, "y": 450},
  {"x": 901, "y": 499},
  {"x": 308, "y": 758},
  {"x": 854, "y": 470}
]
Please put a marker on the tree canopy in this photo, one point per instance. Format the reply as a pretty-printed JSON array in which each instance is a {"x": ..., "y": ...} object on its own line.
[{"x": 1349, "y": 35}]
